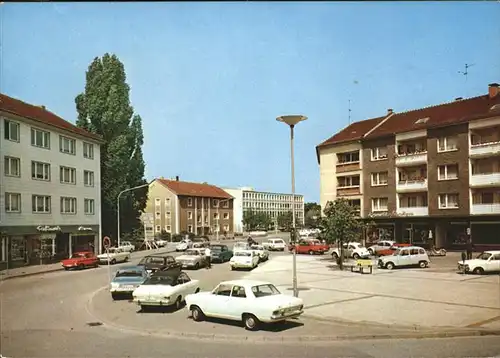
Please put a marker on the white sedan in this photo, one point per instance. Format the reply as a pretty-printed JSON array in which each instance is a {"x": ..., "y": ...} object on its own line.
[
  {"x": 252, "y": 302},
  {"x": 165, "y": 288},
  {"x": 114, "y": 255},
  {"x": 244, "y": 259},
  {"x": 127, "y": 246},
  {"x": 261, "y": 251}
]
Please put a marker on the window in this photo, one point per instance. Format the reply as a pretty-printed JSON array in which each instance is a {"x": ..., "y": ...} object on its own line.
[
  {"x": 40, "y": 138},
  {"x": 168, "y": 214},
  {"x": 11, "y": 130},
  {"x": 88, "y": 178},
  {"x": 379, "y": 153},
  {"x": 448, "y": 201},
  {"x": 348, "y": 181},
  {"x": 67, "y": 175},
  {"x": 168, "y": 228},
  {"x": 226, "y": 228},
  {"x": 12, "y": 203},
  {"x": 226, "y": 216},
  {"x": 422, "y": 120},
  {"x": 190, "y": 228},
  {"x": 223, "y": 290},
  {"x": 88, "y": 150},
  {"x": 216, "y": 216},
  {"x": 158, "y": 215},
  {"x": 41, "y": 204},
  {"x": 215, "y": 203},
  {"x": 225, "y": 204},
  {"x": 190, "y": 215},
  {"x": 89, "y": 206},
  {"x": 379, "y": 178},
  {"x": 448, "y": 172},
  {"x": 238, "y": 291},
  {"x": 68, "y": 205},
  {"x": 379, "y": 204},
  {"x": 347, "y": 158},
  {"x": 446, "y": 144},
  {"x": 40, "y": 171},
  {"x": 167, "y": 202},
  {"x": 190, "y": 201},
  {"x": 157, "y": 201},
  {"x": 12, "y": 167},
  {"x": 67, "y": 145},
  {"x": 158, "y": 228}
]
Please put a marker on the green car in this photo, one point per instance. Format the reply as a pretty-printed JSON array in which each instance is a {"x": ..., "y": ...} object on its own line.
[{"x": 220, "y": 253}]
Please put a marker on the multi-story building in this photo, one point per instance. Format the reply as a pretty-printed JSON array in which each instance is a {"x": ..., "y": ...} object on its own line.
[
  {"x": 176, "y": 206},
  {"x": 50, "y": 185},
  {"x": 273, "y": 204},
  {"x": 426, "y": 176}
]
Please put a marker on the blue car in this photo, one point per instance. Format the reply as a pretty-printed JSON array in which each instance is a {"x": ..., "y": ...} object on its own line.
[{"x": 126, "y": 280}]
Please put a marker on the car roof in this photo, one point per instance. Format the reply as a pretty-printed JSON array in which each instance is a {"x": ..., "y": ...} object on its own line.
[
  {"x": 159, "y": 255},
  {"x": 245, "y": 282},
  {"x": 169, "y": 273}
]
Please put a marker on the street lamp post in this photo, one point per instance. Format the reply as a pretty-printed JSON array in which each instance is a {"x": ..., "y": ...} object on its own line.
[
  {"x": 218, "y": 228},
  {"x": 292, "y": 121},
  {"x": 118, "y": 206}
]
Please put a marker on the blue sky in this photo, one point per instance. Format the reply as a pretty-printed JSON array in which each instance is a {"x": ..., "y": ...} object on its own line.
[{"x": 209, "y": 79}]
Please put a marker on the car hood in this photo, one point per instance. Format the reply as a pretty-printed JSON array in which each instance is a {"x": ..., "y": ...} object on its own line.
[
  {"x": 241, "y": 258},
  {"x": 71, "y": 261},
  {"x": 473, "y": 262},
  {"x": 279, "y": 301},
  {"x": 186, "y": 258},
  {"x": 154, "y": 289},
  {"x": 105, "y": 256},
  {"x": 125, "y": 279}
]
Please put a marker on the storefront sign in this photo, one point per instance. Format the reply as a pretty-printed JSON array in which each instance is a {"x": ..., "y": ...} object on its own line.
[
  {"x": 389, "y": 214},
  {"x": 83, "y": 228},
  {"x": 47, "y": 228},
  {"x": 45, "y": 236}
]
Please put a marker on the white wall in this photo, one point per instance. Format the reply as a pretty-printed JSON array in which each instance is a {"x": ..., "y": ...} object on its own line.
[
  {"x": 237, "y": 208},
  {"x": 54, "y": 188}
]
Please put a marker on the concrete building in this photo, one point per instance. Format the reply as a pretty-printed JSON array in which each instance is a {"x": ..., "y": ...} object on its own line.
[
  {"x": 427, "y": 176},
  {"x": 273, "y": 204},
  {"x": 175, "y": 206},
  {"x": 50, "y": 186}
]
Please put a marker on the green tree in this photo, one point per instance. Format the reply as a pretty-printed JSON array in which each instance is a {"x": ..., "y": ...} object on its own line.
[
  {"x": 285, "y": 220},
  {"x": 249, "y": 219},
  {"x": 263, "y": 220},
  {"x": 341, "y": 223},
  {"x": 312, "y": 215},
  {"x": 104, "y": 108}
]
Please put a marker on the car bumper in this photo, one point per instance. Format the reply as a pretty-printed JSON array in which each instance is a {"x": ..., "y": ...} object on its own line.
[
  {"x": 152, "y": 302},
  {"x": 190, "y": 264},
  {"x": 70, "y": 266},
  {"x": 216, "y": 259},
  {"x": 123, "y": 289},
  {"x": 283, "y": 317},
  {"x": 239, "y": 265}
]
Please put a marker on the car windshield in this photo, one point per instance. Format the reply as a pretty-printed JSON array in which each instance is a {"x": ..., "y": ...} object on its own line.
[
  {"x": 131, "y": 273},
  {"x": 159, "y": 280},
  {"x": 77, "y": 256},
  {"x": 265, "y": 290},
  {"x": 112, "y": 251},
  {"x": 484, "y": 256},
  {"x": 241, "y": 253},
  {"x": 397, "y": 252},
  {"x": 151, "y": 260},
  {"x": 192, "y": 252},
  {"x": 216, "y": 248}
]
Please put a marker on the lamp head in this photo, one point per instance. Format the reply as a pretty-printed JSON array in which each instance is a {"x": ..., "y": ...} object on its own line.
[{"x": 291, "y": 120}]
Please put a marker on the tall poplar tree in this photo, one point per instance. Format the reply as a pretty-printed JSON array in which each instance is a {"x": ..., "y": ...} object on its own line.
[{"x": 104, "y": 108}]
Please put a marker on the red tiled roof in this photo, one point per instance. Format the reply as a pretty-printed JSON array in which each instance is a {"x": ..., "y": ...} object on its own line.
[
  {"x": 455, "y": 112},
  {"x": 195, "y": 189},
  {"x": 39, "y": 114}
]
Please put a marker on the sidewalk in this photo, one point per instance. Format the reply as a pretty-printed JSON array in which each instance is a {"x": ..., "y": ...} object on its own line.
[
  {"x": 419, "y": 298},
  {"x": 42, "y": 269}
]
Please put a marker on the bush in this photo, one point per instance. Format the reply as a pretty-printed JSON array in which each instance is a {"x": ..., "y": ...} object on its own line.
[{"x": 178, "y": 237}]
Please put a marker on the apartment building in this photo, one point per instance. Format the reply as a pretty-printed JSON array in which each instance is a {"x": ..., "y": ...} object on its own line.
[
  {"x": 176, "y": 206},
  {"x": 50, "y": 186},
  {"x": 273, "y": 204},
  {"x": 426, "y": 176}
]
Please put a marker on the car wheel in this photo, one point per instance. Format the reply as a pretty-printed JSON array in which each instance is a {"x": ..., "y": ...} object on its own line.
[
  {"x": 114, "y": 296},
  {"x": 144, "y": 308},
  {"x": 355, "y": 257},
  {"x": 370, "y": 252},
  {"x": 126, "y": 259},
  {"x": 197, "y": 314},
  {"x": 311, "y": 252},
  {"x": 389, "y": 265},
  {"x": 250, "y": 321},
  {"x": 197, "y": 266},
  {"x": 478, "y": 271},
  {"x": 178, "y": 303},
  {"x": 422, "y": 264},
  {"x": 113, "y": 262},
  {"x": 335, "y": 256},
  {"x": 66, "y": 268},
  {"x": 232, "y": 268},
  {"x": 197, "y": 290},
  {"x": 81, "y": 266}
]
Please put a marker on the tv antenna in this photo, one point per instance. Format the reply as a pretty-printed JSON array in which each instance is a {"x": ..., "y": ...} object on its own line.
[
  {"x": 466, "y": 72},
  {"x": 349, "y": 109}
]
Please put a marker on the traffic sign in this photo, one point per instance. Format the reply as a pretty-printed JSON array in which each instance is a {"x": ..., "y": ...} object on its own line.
[{"x": 106, "y": 242}]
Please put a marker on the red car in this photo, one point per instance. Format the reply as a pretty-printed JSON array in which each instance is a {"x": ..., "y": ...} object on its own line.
[
  {"x": 310, "y": 247},
  {"x": 81, "y": 260}
]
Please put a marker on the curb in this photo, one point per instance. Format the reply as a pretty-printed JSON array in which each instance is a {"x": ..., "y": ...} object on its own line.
[{"x": 452, "y": 333}]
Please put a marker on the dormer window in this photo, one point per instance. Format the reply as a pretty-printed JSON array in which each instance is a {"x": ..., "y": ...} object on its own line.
[{"x": 422, "y": 120}]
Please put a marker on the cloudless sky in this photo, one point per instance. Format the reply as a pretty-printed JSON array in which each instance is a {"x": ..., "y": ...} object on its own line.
[{"x": 209, "y": 79}]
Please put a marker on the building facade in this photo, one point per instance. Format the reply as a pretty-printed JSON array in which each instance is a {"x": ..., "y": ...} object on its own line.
[
  {"x": 273, "y": 204},
  {"x": 50, "y": 186},
  {"x": 175, "y": 206},
  {"x": 429, "y": 176}
]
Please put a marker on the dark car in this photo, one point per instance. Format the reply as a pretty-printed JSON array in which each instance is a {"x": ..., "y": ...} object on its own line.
[
  {"x": 220, "y": 253},
  {"x": 158, "y": 262}
]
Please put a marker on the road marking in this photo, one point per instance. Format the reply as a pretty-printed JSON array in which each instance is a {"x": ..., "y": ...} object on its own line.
[
  {"x": 339, "y": 301},
  {"x": 483, "y": 322}
]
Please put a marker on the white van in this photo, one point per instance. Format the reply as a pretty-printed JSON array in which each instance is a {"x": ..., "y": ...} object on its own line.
[{"x": 404, "y": 257}]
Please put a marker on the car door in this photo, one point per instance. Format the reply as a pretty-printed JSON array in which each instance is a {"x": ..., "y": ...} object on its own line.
[
  {"x": 88, "y": 260},
  {"x": 404, "y": 258},
  {"x": 184, "y": 285},
  {"x": 237, "y": 303},
  {"x": 217, "y": 302},
  {"x": 493, "y": 263}
]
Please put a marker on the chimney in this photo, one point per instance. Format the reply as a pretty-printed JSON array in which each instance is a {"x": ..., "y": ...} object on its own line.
[
  {"x": 176, "y": 178},
  {"x": 42, "y": 107},
  {"x": 493, "y": 90},
  {"x": 389, "y": 111},
  {"x": 458, "y": 98}
]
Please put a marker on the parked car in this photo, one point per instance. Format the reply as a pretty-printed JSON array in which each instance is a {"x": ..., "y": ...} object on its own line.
[
  {"x": 183, "y": 245},
  {"x": 404, "y": 257},
  {"x": 244, "y": 259},
  {"x": 220, "y": 253},
  {"x": 485, "y": 262},
  {"x": 159, "y": 262},
  {"x": 165, "y": 288},
  {"x": 385, "y": 247},
  {"x": 193, "y": 259},
  {"x": 127, "y": 246},
  {"x": 275, "y": 245},
  {"x": 80, "y": 260},
  {"x": 200, "y": 245},
  {"x": 310, "y": 247},
  {"x": 249, "y": 301},
  {"x": 126, "y": 280},
  {"x": 261, "y": 252},
  {"x": 161, "y": 242},
  {"x": 352, "y": 250},
  {"x": 114, "y": 255}
]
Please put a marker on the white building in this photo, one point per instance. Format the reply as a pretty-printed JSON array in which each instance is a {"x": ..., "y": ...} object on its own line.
[
  {"x": 49, "y": 186},
  {"x": 273, "y": 204}
]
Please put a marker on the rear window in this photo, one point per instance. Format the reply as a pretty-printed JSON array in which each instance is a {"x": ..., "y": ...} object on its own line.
[{"x": 129, "y": 274}]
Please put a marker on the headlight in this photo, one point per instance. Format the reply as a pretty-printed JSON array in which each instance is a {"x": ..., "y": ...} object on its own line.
[
  {"x": 114, "y": 285},
  {"x": 167, "y": 298}
]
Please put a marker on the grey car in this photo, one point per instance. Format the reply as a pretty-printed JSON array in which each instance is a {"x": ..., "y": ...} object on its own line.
[
  {"x": 193, "y": 259},
  {"x": 126, "y": 280}
]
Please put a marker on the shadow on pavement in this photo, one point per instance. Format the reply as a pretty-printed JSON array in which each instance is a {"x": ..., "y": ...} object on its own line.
[{"x": 265, "y": 327}]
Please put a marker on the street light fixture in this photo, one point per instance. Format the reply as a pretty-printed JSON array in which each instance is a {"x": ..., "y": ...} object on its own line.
[
  {"x": 118, "y": 205},
  {"x": 218, "y": 226},
  {"x": 292, "y": 121}
]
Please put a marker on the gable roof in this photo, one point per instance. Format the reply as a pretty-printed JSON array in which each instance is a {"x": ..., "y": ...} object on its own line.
[
  {"x": 456, "y": 112},
  {"x": 41, "y": 115},
  {"x": 195, "y": 189}
]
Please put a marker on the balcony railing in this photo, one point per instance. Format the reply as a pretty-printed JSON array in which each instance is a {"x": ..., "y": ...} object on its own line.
[
  {"x": 349, "y": 190},
  {"x": 418, "y": 157},
  {"x": 484, "y": 180},
  {"x": 485, "y": 149},
  {"x": 414, "y": 211},
  {"x": 485, "y": 209},
  {"x": 412, "y": 185},
  {"x": 347, "y": 167}
]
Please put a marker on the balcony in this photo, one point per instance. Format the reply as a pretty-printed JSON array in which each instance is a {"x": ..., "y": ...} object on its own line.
[
  {"x": 414, "y": 211},
  {"x": 411, "y": 185},
  {"x": 484, "y": 149},
  {"x": 348, "y": 191},
  {"x": 347, "y": 167},
  {"x": 485, "y": 141},
  {"x": 410, "y": 159},
  {"x": 485, "y": 180},
  {"x": 485, "y": 209}
]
